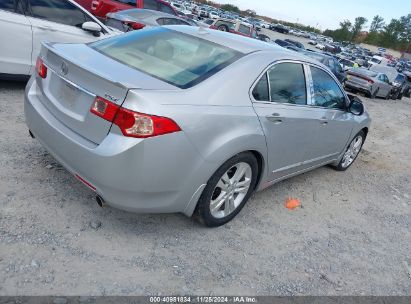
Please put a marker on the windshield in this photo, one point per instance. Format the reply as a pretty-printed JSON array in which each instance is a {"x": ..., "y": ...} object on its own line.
[
  {"x": 375, "y": 60},
  {"x": 179, "y": 59}
]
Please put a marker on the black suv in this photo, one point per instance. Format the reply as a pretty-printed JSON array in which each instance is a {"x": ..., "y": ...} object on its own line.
[{"x": 279, "y": 28}]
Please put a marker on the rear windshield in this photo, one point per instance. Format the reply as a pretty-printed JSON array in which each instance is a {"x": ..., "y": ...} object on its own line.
[{"x": 179, "y": 59}]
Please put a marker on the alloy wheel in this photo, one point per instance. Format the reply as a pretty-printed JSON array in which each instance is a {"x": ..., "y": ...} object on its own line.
[
  {"x": 231, "y": 190},
  {"x": 352, "y": 151}
]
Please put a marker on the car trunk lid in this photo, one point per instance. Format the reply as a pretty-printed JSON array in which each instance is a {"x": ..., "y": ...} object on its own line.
[
  {"x": 359, "y": 78},
  {"x": 76, "y": 75}
]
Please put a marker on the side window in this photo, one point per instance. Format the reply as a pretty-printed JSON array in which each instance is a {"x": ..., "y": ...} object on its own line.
[
  {"x": 327, "y": 93},
  {"x": 331, "y": 64},
  {"x": 230, "y": 25},
  {"x": 129, "y": 2},
  {"x": 58, "y": 11},
  {"x": 165, "y": 9},
  {"x": 287, "y": 83},
  {"x": 338, "y": 67},
  {"x": 11, "y": 6},
  {"x": 150, "y": 4},
  {"x": 386, "y": 79},
  {"x": 244, "y": 29},
  {"x": 180, "y": 22},
  {"x": 171, "y": 21},
  {"x": 260, "y": 91}
]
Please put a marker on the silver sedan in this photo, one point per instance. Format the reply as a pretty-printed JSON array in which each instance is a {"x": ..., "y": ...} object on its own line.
[
  {"x": 373, "y": 84},
  {"x": 190, "y": 120}
]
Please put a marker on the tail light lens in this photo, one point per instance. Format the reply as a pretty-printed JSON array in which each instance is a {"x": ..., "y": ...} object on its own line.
[
  {"x": 104, "y": 108},
  {"x": 41, "y": 68},
  {"x": 142, "y": 125},
  {"x": 133, "y": 124},
  {"x": 136, "y": 25}
]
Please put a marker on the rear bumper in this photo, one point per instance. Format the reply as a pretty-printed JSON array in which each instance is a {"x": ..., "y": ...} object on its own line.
[
  {"x": 155, "y": 175},
  {"x": 356, "y": 86}
]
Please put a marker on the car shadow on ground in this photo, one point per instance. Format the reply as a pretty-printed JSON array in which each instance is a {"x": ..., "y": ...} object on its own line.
[{"x": 12, "y": 85}]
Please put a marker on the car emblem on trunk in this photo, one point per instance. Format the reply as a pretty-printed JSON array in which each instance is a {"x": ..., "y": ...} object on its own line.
[
  {"x": 112, "y": 98},
  {"x": 64, "y": 68}
]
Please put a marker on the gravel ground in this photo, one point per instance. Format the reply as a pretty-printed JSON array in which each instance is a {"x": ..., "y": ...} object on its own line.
[{"x": 352, "y": 236}]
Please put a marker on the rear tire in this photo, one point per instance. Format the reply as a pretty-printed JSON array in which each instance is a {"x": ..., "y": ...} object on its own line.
[
  {"x": 375, "y": 94},
  {"x": 228, "y": 190}
]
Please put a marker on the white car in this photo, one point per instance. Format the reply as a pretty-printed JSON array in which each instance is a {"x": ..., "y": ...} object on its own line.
[
  {"x": 320, "y": 46},
  {"x": 213, "y": 15},
  {"x": 181, "y": 8},
  {"x": 24, "y": 27},
  {"x": 265, "y": 25}
]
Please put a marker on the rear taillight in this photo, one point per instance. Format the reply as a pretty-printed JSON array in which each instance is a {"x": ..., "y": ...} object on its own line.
[
  {"x": 143, "y": 125},
  {"x": 133, "y": 124},
  {"x": 41, "y": 68},
  {"x": 104, "y": 108},
  {"x": 134, "y": 25},
  {"x": 370, "y": 81}
]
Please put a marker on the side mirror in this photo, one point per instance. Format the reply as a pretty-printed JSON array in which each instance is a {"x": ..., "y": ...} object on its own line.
[
  {"x": 356, "y": 107},
  {"x": 92, "y": 27}
]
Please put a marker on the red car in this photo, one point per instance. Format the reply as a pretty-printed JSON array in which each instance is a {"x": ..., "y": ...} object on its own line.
[{"x": 101, "y": 8}]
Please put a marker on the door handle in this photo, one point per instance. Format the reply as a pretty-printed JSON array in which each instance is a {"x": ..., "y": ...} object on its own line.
[
  {"x": 323, "y": 121},
  {"x": 275, "y": 118},
  {"x": 46, "y": 28}
]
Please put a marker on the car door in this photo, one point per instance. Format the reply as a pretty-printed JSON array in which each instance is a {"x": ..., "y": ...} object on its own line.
[
  {"x": 387, "y": 83},
  {"x": 289, "y": 124},
  {"x": 16, "y": 37},
  {"x": 57, "y": 21},
  {"x": 334, "y": 121},
  {"x": 384, "y": 86}
]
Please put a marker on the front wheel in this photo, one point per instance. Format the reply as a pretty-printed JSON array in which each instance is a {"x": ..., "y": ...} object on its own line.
[
  {"x": 388, "y": 96},
  {"x": 352, "y": 151},
  {"x": 228, "y": 190},
  {"x": 223, "y": 28}
]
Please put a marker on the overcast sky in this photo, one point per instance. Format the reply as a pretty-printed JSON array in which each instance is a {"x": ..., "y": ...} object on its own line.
[{"x": 325, "y": 13}]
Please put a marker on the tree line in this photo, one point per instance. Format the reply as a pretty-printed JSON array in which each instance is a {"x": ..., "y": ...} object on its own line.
[{"x": 395, "y": 35}]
